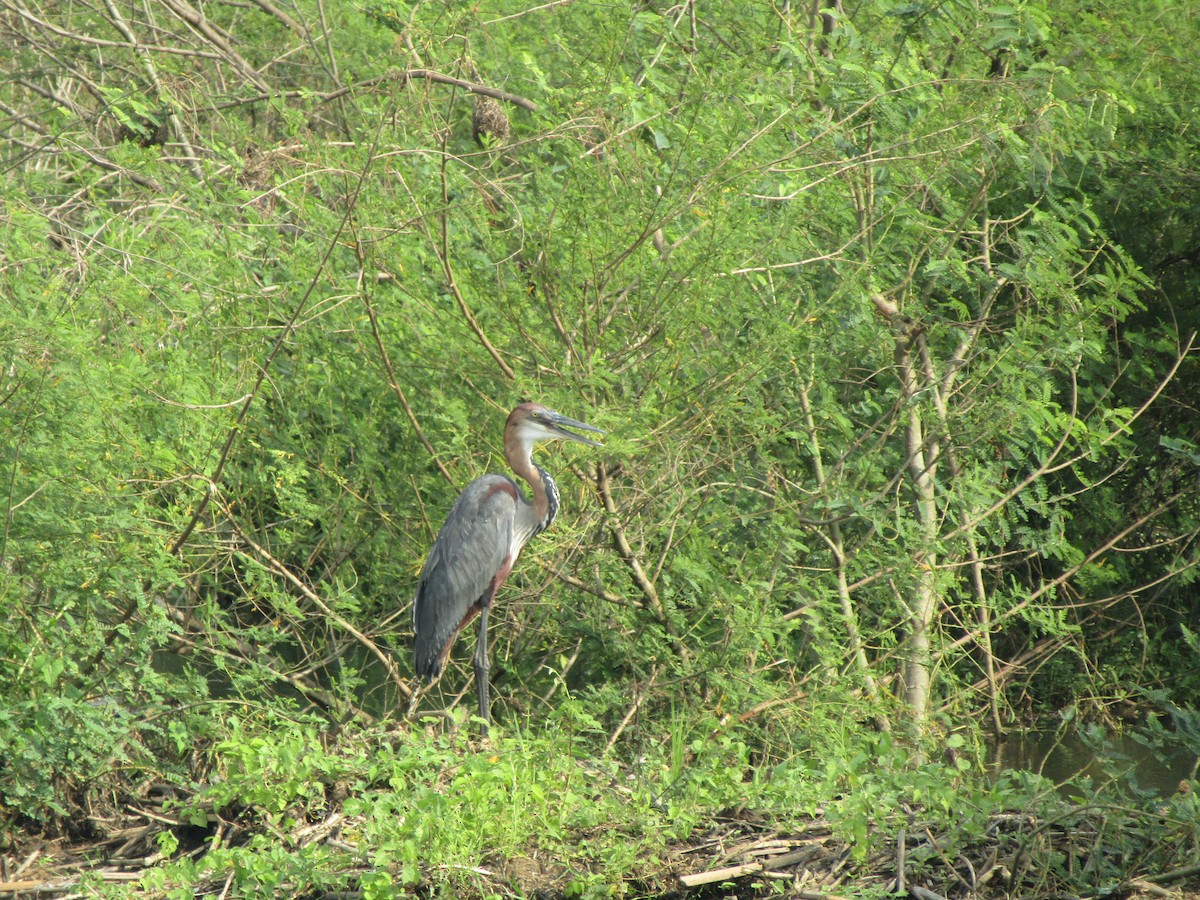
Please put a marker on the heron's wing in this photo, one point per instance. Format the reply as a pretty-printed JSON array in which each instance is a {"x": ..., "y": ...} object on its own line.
[{"x": 470, "y": 550}]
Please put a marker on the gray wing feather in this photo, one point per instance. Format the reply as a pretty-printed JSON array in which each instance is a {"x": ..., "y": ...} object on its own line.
[{"x": 469, "y": 551}]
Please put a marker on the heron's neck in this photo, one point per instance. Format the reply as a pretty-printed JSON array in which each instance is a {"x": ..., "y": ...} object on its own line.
[
  {"x": 549, "y": 493},
  {"x": 545, "y": 491}
]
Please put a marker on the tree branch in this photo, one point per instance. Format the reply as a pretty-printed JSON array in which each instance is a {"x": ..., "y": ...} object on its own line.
[
  {"x": 264, "y": 557},
  {"x": 644, "y": 584}
]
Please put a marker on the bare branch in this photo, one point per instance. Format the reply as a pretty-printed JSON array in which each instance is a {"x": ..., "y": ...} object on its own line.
[
  {"x": 264, "y": 557},
  {"x": 152, "y": 75}
]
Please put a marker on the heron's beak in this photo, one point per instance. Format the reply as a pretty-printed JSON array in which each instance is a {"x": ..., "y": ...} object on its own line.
[{"x": 559, "y": 424}]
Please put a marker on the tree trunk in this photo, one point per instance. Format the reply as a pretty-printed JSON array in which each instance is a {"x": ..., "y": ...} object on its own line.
[{"x": 921, "y": 454}]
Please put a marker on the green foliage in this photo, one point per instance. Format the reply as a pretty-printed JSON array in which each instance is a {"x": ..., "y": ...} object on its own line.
[
  {"x": 419, "y": 798},
  {"x": 886, "y": 320}
]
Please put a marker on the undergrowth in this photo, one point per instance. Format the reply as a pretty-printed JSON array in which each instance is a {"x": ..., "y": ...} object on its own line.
[{"x": 546, "y": 811}]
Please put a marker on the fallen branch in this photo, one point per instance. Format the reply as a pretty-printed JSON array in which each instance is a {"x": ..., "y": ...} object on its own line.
[
  {"x": 1174, "y": 875},
  {"x": 778, "y": 862}
]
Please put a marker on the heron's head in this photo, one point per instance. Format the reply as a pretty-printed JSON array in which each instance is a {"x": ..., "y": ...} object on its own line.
[{"x": 531, "y": 422}]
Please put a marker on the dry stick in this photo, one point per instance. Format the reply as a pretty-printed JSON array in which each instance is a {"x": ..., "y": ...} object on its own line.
[
  {"x": 61, "y": 886},
  {"x": 526, "y": 12},
  {"x": 51, "y": 139},
  {"x": 103, "y": 162},
  {"x": 945, "y": 861},
  {"x": 63, "y": 100},
  {"x": 599, "y": 590},
  {"x": 152, "y": 74},
  {"x": 758, "y": 847},
  {"x": 22, "y": 119},
  {"x": 103, "y": 42},
  {"x": 473, "y": 87},
  {"x": 759, "y": 708},
  {"x": 271, "y": 9},
  {"x": 778, "y": 862}
]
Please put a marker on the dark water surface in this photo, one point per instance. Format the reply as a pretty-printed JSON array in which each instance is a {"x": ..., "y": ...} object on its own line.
[{"x": 1066, "y": 756}]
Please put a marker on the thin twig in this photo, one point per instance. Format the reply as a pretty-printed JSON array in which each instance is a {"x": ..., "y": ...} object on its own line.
[
  {"x": 442, "y": 249},
  {"x": 399, "y": 391},
  {"x": 639, "y": 694},
  {"x": 206, "y": 30},
  {"x": 401, "y": 76},
  {"x": 280, "y": 341},
  {"x": 525, "y": 12},
  {"x": 271, "y": 9},
  {"x": 213, "y": 481},
  {"x": 649, "y": 591},
  {"x": 263, "y": 556},
  {"x": 103, "y": 42},
  {"x": 263, "y": 661},
  {"x": 561, "y": 674},
  {"x": 151, "y": 71}
]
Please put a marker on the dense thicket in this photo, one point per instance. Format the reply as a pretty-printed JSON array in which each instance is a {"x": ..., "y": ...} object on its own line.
[{"x": 888, "y": 309}]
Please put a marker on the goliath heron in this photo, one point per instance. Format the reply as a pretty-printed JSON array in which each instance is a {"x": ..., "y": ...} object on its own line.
[{"x": 475, "y": 550}]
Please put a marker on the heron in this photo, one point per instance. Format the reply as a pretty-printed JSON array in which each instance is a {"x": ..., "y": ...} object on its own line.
[{"x": 477, "y": 546}]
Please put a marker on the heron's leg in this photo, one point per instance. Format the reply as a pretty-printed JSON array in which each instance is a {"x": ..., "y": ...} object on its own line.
[{"x": 481, "y": 669}]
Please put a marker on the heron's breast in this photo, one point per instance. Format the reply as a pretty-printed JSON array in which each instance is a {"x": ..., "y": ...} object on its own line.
[{"x": 502, "y": 487}]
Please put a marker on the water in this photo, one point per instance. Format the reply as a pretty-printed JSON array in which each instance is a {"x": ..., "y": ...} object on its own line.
[{"x": 1066, "y": 756}]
